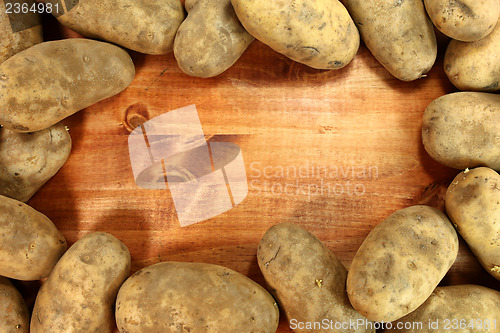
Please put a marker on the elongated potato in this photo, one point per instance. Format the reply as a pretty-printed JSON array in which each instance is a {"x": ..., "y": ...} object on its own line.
[
  {"x": 464, "y": 20},
  {"x": 320, "y": 34},
  {"x": 397, "y": 267},
  {"x": 18, "y": 31},
  {"x": 79, "y": 294},
  {"x": 14, "y": 316},
  {"x": 28, "y": 160},
  {"x": 30, "y": 245},
  {"x": 211, "y": 39},
  {"x": 455, "y": 309},
  {"x": 473, "y": 205},
  {"x": 172, "y": 297},
  {"x": 146, "y": 26},
  {"x": 475, "y": 65},
  {"x": 65, "y": 76},
  {"x": 462, "y": 130},
  {"x": 398, "y": 33},
  {"x": 308, "y": 281}
]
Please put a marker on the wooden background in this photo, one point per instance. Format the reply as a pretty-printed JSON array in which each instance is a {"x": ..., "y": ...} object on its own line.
[{"x": 282, "y": 115}]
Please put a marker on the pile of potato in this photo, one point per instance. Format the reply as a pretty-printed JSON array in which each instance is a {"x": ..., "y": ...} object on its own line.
[{"x": 396, "y": 271}]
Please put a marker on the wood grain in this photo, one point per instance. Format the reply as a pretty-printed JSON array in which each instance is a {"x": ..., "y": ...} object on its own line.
[{"x": 283, "y": 115}]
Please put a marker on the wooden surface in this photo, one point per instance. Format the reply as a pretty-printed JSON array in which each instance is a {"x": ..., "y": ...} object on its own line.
[{"x": 282, "y": 115}]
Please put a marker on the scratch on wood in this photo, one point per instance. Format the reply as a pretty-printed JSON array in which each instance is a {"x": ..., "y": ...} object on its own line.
[{"x": 157, "y": 79}]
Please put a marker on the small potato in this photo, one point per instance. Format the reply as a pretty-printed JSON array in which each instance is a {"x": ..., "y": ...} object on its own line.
[
  {"x": 145, "y": 26},
  {"x": 475, "y": 65},
  {"x": 18, "y": 31},
  {"x": 397, "y": 267},
  {"x": 473, "y": 205},
  {"x": 172, "y": 297},
  {"x": 464, "y": 20},
  {"x": 455, "y": 309},
  {"x": 211, "y": 39},
  {"x": 320, "y": 34},
  {"x": 399, "y": 34},
  {"x": 65, "y": 76},
  {"x": 14, "y": 316},
  {"x": 30, "y": 245},
  {"x": 28, "y": 160},
  {"x": 79, "y": 294},
  {"x": 462, "y": 130},
  {"x": 308, "y": 281}
]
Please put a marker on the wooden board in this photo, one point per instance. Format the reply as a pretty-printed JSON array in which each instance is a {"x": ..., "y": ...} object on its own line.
[{"x": 284, "y": 116}]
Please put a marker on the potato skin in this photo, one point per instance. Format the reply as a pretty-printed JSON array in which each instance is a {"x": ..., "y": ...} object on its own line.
[
  {"x": 473, "y": 205},
  {"x": 211, "y": 39},
  {"x": 28, "y": 160},
  {"x": 66, "y": 76},
  {"x": 14, "y": 316},
  {"x": 80, "y": 292},
  {"x": 475, "y": 65},
  {"x": 462, "y": 302},
  {"x": 398, "y": 33},
  {"x": 320, "y": 34},
  {"x": 193, "y": 297},
  {"x": 145, "y": 26},
  {"x": 30, "y": 245},
  {"x": 464, "y": 20},
  {"x": 461, "y": 130},
  {"x": 28, "y": 33},
  {"x": 306, "y": 278},
  {"x": 396, "y": 268}
]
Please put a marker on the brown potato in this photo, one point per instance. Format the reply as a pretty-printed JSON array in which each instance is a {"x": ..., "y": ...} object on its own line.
[
  {"x": 66, "y": 76},
  {"x": 172, "y": 297},
  {"x": 211, "y": 39},
  {"x": 28, "y": 160},
  {"x": 455, "y": 309},
  {"x": 308, "y": 281},
  {"x": 473, "y": 205},
  {"x": 143, "y": 26},
  {"x": 399, "y": 34},
  {"x": 80, "y": 293},
  {"x": 475, "y": 65},
  {"x": 462, "y": 130},
  {"x": 14, "y": 316},
  {"x": 18, "y": 31},
  {"x": 319, "y": 34},
  {"x": 30, "y": 245},
  {"x": 464, "y": 20},
  {"x": 396, "y": 268}
]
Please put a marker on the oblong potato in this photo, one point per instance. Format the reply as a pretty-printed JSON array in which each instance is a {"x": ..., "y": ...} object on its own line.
[
  {"x": 193, "y": 297},
  {"x": 211, "y": 39},
  {"x": 464, "y": 20},
  {"x": 65, "y": 76},
  {"x": 14, "y": 316},
  {"x": 28, "y": 160},
  {"x": 462, "y": 130},
  {"x": 473, "y": 205},
  {"x": 30, "y": 245},
  {"x": 398, "y": 33},
  {"x": 80, "y": 292},
  {"x": 459, "y": 309},
  {"x": 320, "y": 34},
  {"x": 19, "y": 31},
  {"x": 396, "y": 268},
  {"x": 307, "y": 280},
  {"x": 475, "y": 65},
  {"x": 146, "y": 26}
]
